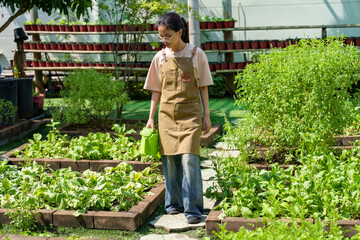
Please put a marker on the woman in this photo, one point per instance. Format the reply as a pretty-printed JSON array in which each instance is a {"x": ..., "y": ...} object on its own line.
[{"x": 176, "y": 76}]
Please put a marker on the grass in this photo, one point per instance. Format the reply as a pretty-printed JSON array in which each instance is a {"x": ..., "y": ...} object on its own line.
[{"x": 139, "y": 109}]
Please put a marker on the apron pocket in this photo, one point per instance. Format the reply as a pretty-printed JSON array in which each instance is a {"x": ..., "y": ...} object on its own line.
[{"x": 172, "y": 81}]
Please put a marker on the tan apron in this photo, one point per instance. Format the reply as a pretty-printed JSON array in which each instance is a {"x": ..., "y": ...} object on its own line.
[{"x": 180, "y": 117}]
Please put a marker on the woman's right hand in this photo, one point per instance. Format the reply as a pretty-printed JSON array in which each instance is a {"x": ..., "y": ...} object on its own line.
[{"x": 150, "y": 124}]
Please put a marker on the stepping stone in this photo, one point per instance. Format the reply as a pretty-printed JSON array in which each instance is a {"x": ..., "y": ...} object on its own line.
[
  {"x": 172, "y": 236},
  {"x": 176, "y": 223},
  {"x": 206, "y": 164},
  {"x": 207, "y": 184},
  {"x": 207, "y": 173},
  {"x": 224, "y": 146},
  {"x": 209, "y": 203},
  {"x": 223, "y": 153}
]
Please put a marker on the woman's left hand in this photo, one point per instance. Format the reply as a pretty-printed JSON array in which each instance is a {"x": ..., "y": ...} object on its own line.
[{"x": 206, "y": 125}]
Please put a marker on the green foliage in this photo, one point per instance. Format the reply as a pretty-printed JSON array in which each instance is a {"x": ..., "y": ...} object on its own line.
[
  {"x": 80, "y": 7},
  {"x": 90, "y": 96},
  {"x": 300, "y": 89},
  {"x": 7, "y": 111},
  {"x": 22, "y": 219},
  {"x": 324, "y": 186},
  {"x": 95, "y": 146},
  {"x": 279, "y": 229},
  {"x": 33, "y": 188}
]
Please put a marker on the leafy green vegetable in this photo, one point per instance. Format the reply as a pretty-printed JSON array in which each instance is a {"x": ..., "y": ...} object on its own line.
[
  {"x": 95, "y": 146},
  {"x": 31, "y": 188}
]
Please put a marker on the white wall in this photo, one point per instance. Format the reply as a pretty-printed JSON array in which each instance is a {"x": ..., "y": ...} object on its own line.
[{"x": 258, "y": 13}]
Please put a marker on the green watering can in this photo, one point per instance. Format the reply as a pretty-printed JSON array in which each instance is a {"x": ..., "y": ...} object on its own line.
[{"x": 149, "y": 144}]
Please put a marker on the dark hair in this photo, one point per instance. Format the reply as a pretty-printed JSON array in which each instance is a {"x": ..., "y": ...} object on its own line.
[{"x": 174, "y": 22}]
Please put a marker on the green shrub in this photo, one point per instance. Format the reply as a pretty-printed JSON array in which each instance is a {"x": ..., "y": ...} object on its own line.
[
  {"x": 300, "y": 89},
  {"x": 90, "y": 96},
  {"x": 7, "y": 111}
]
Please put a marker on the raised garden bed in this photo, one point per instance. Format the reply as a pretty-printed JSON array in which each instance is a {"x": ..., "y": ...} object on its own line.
[
  {"x": 80, "y": 165},
  {"x": 20, "y": 129},
  {"x": 137, "y": 125},
  {"x": 234, "y": 223},
  {"x": 129, "y": 220}
]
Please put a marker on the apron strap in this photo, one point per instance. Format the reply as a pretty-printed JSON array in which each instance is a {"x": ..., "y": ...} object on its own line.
[
  {"x": 193, "y": 53},
  {"x": 164, "y": 54}
]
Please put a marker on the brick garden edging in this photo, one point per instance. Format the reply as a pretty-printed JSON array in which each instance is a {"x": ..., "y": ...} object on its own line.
[
  {"x": 20, "y": 129},
  {"x": 80, "y": 165},
  {"x": 234, "y": 223},
  {"x": 129, "y": 220}
]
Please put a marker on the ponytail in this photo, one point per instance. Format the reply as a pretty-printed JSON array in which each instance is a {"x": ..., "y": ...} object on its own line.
[
  {"x": 174, "y": 22},
  {"x": 185, "y": 33}
]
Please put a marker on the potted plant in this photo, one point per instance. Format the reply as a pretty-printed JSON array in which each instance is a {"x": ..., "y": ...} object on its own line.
[
  {"x": 7, "y": 112},
  {"x": 90, "y": 27},
  {"x": 229, "y": 23},
  {"x": 39, "y": 99},
  {"x": 40, "y": 26},
  {"x": 219, "y": 23},
  {"x": 62, "y": 25},
  {"x": 90, "y": 46},
  {"x": 29, "y": 26}
]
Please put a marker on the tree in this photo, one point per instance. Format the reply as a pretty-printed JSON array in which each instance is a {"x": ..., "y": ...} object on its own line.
[{"x": 19, "y": 7}]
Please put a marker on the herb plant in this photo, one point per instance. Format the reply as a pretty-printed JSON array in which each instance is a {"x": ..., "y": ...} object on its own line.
[
  {"x": 301, "y": 88},
  {"x": 324, "y": 186},
  {"x": 90, "y": 96},
  {"x": 7, "y": 112}
]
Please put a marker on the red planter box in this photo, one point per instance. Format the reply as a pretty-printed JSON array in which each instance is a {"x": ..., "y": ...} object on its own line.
[
  {"x": 280, "y": 44},
  {"x": 272, "y": 43},
  {"x": 97, "y": 28},
  {"x": 82, "y": 47},
  {"x": 76, "y": 28},
  {"x": 255, "y": 44},
  {"x": 263, "y": 44},
  {"x": 238, "y": 45},
  {"x": 232, "y": 65},
  {"x": 229, "y": 24},
  {"x": 211, "y": 25},
  {"x": 62, "y": 28},
  {"x": 75, "y": 46},
  {"x": 104, "y": 28},
  {"x": 26, "y": 45},
  {"x": 68, "y": 46},
  {"x": 32, "y": 45},
  {"x": 222, "y": 45},
  {"x": 97, "y": 47},
  {"x": 104, "y": 47},
  {"x": 90, "y": 47},
  {"x": 90, "y": 28},
  {"x": 53, "y": 46},
  {"x": 83, "y": 28},
  {"x": 68, "y": 28},
  {"x": 246, "y": 44},
  {"x": 240, "y": 65},
  {"x": 219, "y": 24},
  {"x": 217, "y": 66},
  {"x": 214, "y": 46},
  {"x": 224, "y": 66},
  {"x": 49, "y": 64},
  {"x": 230, "y": 45},
  {"x": 48, "y": 28}
]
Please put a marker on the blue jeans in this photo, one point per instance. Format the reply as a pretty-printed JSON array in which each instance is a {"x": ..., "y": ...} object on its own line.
[{"x": 183, "y": 184}]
